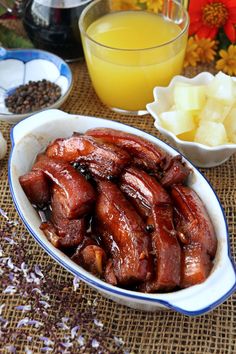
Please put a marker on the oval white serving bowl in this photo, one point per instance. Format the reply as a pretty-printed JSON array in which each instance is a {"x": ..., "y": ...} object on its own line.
[
  {"x": 199, "y": 154},
  {"x": 32, "y": 135},
  {"x": 19, "y": 66}
]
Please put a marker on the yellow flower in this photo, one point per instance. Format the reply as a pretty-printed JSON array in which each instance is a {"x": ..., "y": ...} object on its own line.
[
  {"x": 124, "y": 5},
  {"x": 227, "y": 63},
  {"x": 153, "y": 5},
  {"x": 191, "y": 55},
  {"x": 206, "y": 49}
]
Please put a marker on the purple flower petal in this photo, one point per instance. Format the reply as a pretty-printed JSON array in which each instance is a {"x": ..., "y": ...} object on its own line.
[
  {"x": 35, "y": 323},
  {"x": 62, "y": 325},
  {"x": 118, "y": 341},
  {"x": 13, "y": 222},
  {"x": 4, "y": 214},
  {"x": 45, "y": 349},
  {"x": 76, "y": 283},
  {"x": 95, "y": 343},
  {"x": 37, "y": 290},
  {"x": 65, "y": 319},
  {"x": 23, "y": 322},
  {"x": 10, "y": 264},
  {"x": 81, "y": 340},
  {"x": 38, "y": 271},
  {"x": 2, "y": 320},
  {"x": 66, "y": 345},
  {"x": 98, "y": 323},
  {"x": 1, "y": 308},
  {"x": 10, "y": 241},
  {"x": 23, "y": 308},
  {"x": 24, "y": 268},
  {"x": 11, "y": 277},
  {"x": 74, "y": 331},
  {"x": 45, "y": 304},
  {"x": 46, "y": 341},
  {"x": 10, "y": 348},
  {"x": 10, "y": 289},
  {"x": 35, "y": 279}
]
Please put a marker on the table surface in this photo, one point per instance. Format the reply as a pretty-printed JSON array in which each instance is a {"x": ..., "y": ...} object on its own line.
[{"x": 72, "y": 318}]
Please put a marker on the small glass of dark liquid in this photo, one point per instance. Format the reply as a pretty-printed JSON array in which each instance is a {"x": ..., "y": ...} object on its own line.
[{"x": 52, "y": 25}]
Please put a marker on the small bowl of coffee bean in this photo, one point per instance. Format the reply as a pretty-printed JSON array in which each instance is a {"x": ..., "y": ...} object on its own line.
[{"x": 32, "y": 80}]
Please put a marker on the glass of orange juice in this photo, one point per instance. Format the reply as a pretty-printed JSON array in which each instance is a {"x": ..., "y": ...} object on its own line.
[{"x": 129, "y": 52}]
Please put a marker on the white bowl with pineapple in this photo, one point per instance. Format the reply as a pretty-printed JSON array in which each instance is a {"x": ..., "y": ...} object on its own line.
[{"x": 198, "y": 116}]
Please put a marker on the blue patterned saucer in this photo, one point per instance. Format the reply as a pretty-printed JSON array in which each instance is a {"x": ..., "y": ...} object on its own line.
[{"x": 19, "y": 66}]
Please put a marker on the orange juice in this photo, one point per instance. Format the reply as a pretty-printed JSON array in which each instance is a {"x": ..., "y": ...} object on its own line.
[{"x": 128, "y": 56}]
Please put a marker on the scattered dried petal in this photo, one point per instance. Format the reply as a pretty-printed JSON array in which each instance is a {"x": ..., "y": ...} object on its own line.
[
  {"x": 81, "y": 340},
  {"x": 24, "y": 308},
  {"x": 45, "y": 304},
  {"x": 23, "y": 322},
  {"x": 45, "y": 349},
  {"x": 98, "y": 323},
  {"x": 28, "y": 351},
  {"x": 46, "y": 341},
  {"x": 2, "y": 307},
  {"x": 62, "y": 325},
  {"x": 35, "y": 323},
  {"x": 10, "y": 240},
  {"x": 10, "y": 264},
  {"x": 38, "y": 271},
  {"x": 74, "y": 331},
  {"x": 66, "y": 345},
  {"x": 95, "y": 343},
  {"x": 119, "y": 341},
  {"x": 4, "y": 214},
  {"x": 10, "y": 289},
  {"x": 10, "y": 348},
  {"x": 76, "y": 283}
]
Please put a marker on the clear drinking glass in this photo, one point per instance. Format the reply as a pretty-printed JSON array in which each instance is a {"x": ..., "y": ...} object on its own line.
[{"x": 124, "y": 75}]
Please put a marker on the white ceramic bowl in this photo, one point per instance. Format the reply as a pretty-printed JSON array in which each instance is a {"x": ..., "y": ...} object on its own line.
[
  {"x": 19, "y": 66},
  {"x": 33, "y": 134},
  {"x": 201, "y": 155}
]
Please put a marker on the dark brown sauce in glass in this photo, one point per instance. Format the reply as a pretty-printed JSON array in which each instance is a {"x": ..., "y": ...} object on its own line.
[{"x": 55, "y": 28}]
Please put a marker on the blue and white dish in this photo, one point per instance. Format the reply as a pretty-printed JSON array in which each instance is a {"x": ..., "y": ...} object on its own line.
[
  {"x": 19, "y": 66},
  {"x": 32, "y": 135}
]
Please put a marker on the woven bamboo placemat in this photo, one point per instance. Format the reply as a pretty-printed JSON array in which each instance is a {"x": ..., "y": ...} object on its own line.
[{"x": 44, "y": 309}]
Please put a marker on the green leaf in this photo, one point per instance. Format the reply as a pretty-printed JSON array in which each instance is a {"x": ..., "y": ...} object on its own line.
[
  {"x": 224, "y": 42},
  {"x": 9, "y": 39}
]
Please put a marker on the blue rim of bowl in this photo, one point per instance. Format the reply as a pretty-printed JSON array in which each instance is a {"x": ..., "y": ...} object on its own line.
[
  {"x": 26, "y": 55},
  {"x": 113, "y": 289}
]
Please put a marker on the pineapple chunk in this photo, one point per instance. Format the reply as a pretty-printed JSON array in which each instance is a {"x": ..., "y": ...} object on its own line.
[
  {"x": 177, "y": 122},
  {"x": 211, "y": 134},
  {"x": 230, "y": 126},
  {"x": 188, "y": 136},
  {"x": 187, "y": 97},
  {"x": 214, "y": 110},
  {"x": 222, "y": 88}
]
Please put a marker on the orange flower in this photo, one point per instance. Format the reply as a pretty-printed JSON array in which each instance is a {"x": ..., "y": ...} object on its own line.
[
  {"x": 153, "y": 5},
  {"x": 227, "y": 63},
  {"x": 124, "y": 5},
  {"x": 206, "y": 49},
  {"x": 191, "y": 54},
  {"x": 207, "y": 16}
]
